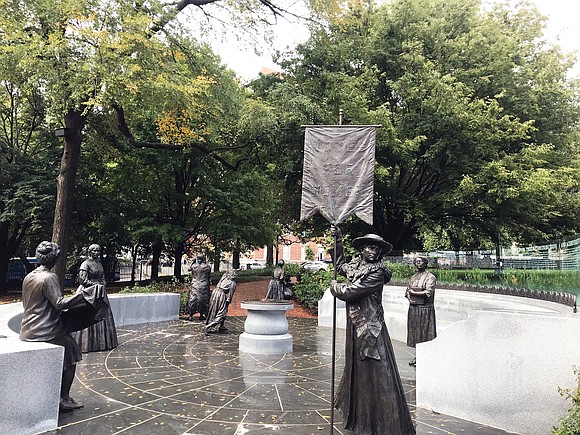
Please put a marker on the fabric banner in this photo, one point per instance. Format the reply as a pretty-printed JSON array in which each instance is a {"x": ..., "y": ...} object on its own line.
[{"x": 338, "y": 177}]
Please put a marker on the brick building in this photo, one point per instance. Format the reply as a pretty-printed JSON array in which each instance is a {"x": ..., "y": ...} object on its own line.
[{"x": 291, "y": 250}]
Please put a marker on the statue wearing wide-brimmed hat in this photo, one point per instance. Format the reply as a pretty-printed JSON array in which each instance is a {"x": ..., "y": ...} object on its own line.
[
  {"x": 368, "y": 407},
  {"x": 373, "y": 239}
]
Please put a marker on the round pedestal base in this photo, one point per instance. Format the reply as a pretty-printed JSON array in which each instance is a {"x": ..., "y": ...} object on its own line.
[{"x": 266, "y": 344}]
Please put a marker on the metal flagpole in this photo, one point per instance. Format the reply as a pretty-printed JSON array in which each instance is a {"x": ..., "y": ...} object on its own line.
[
  {"x": 320, "y": 184},
  {"x": 333, "y": 349}
]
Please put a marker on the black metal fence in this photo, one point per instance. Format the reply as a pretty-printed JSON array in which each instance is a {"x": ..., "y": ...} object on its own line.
[
  {"x": 143, "y": 271},
  {"x": 561, "y": 255}
]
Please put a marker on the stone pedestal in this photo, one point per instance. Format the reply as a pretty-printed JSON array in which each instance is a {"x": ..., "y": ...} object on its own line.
[
  {"x": 266, "y": 328},
  {"x": 30, "y": 378}
]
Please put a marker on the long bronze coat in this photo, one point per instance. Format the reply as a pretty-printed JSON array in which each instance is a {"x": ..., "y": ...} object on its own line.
[
  {"x": 276, "y": 285},
  {"x": 199, "y": 293},
  {"x": 370, "y": 394},
  {"x": 220, "y": 300},
  {"x": 421, "y": 322}
]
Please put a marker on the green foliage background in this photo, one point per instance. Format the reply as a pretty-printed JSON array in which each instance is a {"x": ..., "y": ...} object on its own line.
[
  {"x": 310, "y": 286},
  {"x": 570, "y": 425}
]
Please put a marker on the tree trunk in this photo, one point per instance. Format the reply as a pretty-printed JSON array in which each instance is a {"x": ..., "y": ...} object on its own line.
[
  {"x": 270, "y": 255},
  {"x": 178, "y": 253},
  {"x": 4, "y": 254},
  {"x": 74, "y": 122},
  {"x": 106, "y": 263},
  {"x": 109, "y": 262},
  {"x": 236, "y": 257},
  {"x": 216, "y": 259},
  {"x": 3, "y": 273},
  {"x": 157, "y": 250},
  {"x": 134, "y": 262}
]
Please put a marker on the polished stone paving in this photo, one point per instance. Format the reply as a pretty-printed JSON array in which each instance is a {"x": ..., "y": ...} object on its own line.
[{"x": 169, "y": 378}]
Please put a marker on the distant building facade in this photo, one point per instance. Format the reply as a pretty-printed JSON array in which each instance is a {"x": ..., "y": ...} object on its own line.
[{"x": 291, "y": 250}]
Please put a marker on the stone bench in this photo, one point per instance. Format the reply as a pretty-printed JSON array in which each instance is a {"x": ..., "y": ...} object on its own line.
[{"x": 30, "y": 373}]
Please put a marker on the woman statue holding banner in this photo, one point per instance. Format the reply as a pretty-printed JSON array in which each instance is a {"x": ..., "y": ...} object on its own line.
[{"x": 370, "y": 394}]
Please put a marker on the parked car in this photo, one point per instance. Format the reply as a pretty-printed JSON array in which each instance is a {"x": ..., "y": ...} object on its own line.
[
  {"x": 255, "y": 265},
  {"x": 315, "y": 266}
]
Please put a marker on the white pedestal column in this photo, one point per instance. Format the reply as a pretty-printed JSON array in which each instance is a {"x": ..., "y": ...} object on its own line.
[{"x": 266, "y": 328}]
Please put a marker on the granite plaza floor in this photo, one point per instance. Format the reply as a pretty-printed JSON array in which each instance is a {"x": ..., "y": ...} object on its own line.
[{"x": 169, "y": 378}]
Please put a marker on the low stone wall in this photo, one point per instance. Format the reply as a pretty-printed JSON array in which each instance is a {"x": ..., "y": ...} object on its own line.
[
  {"x": 136, "y": 308},
  {"x": 450, "y": 307},
  {"x": 501, "y": 369},
  {"x": 30, "y": 373}
]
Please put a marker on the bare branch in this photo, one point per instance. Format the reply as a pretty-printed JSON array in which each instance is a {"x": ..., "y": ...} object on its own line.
[
  {"x": 124, "y": 130},
  {"x": 181, "y": 5},
  {"x": 251, "y": 155},
  {"x": 276, "y": 10}
]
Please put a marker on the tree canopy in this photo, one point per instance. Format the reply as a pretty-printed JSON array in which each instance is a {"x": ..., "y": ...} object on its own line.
[
  {"x": 479, "y": 118},
  {"x": 89, "y": 57}
]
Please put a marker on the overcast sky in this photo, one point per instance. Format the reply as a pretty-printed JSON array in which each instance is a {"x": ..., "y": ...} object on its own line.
[
  {"x": 563, "y": 28},
  {"x": 563, "y": 25}
]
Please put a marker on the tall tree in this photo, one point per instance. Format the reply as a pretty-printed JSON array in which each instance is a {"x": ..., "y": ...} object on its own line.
[
  {"x": 479, "y": 117},
  {"x": 246, "y": 214},
  {"x": 90, "y": 55},
  {"x": 26, "y": 163}
]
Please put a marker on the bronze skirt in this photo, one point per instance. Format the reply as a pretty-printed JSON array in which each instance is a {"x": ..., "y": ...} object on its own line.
[{"x": 421, "y": 325}]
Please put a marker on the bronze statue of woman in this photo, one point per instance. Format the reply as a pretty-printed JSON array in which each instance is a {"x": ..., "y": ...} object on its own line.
[
  {"x": 421, "y": 324},
  {"x": 220, "y": 300},
  {"x": 198, "y": 296},
  {"x": 102, "y": 335},
  {"x": 370, "y": 394},
  {"x": 276, "y": 285}
]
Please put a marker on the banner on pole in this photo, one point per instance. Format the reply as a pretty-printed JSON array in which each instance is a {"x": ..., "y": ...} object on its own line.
[{"x": 338, "y": 177}]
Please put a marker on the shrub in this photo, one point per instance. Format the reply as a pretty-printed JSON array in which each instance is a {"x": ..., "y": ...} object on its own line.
[
  {"x": 570, "y": 425},
  {"x": 555, "y": 280},
  {"x": 567, "y": 281},
  {"x": 183, "y": 296},
  {"x": 245, "y": 275},
  {"x": 154, "y": 287},
  {"x": 401, "y": 272},
  {"x": 311, "y": 286},
  {"x": 173, "y": 286},
  {"x": 293, "y": 270}
]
